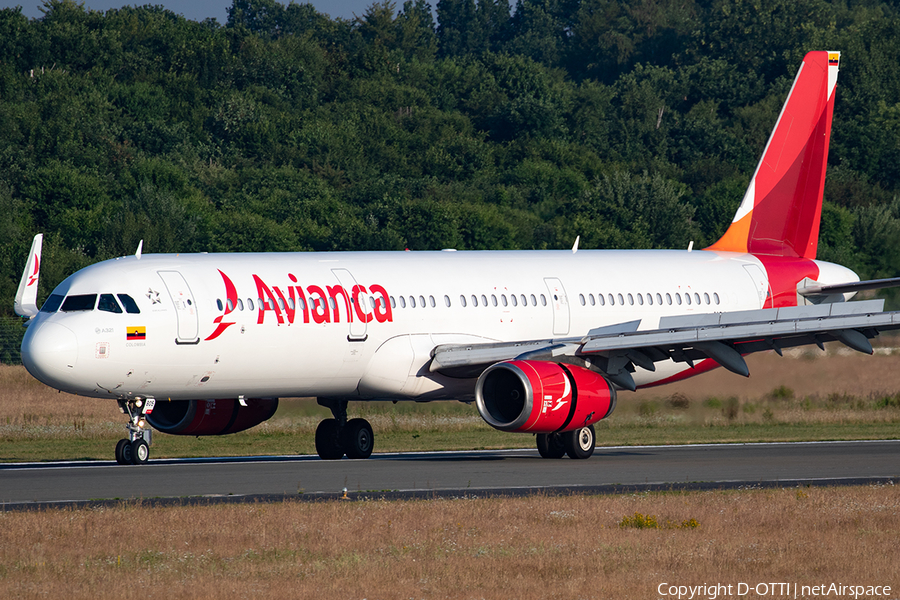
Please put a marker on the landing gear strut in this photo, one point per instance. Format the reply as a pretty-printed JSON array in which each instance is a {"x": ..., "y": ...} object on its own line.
[
  {"x": 135, "y": 449},
  {"x": 338, "y": 436}
]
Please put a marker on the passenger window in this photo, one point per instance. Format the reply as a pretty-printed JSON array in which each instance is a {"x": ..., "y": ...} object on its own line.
[
  {"x": 591, "y": 298},
  {"x": 621, "y": 299},
  {"x": 716, "y": 297},
  {"x": 659, "y": 299},
  {"x": 601, "y": 299},
  {"x": 494, "y": 299},
  {"x": 483, "y": 300},
  {"x": 412, "y": 301},
  {"x": 668, "y": 298},
  {"x": 533, "y": 300},
  {"x": 447, "y": 300},
  {"x": 524, "y": 300},
  {"x": 462, "y": 300},
  {"x": 219, "y": 303},
  {"x": 402, "y": 302},
  {"x": 281, "y": 304},
  {"x": 706, "y": 297},
  {"x": 108, "y": 304},
  {"x": 393, "y": 302},
  {"x": 678, "y": 298},
  {"x": 687, "y": 298},
  {"x": 241, "y": 304},
  {"x": 581, "y": 298},
  {"x": 52, "y": 303},
  {"x": 474, "y": 300},
  {"x": 422, "y": 301},
  {"x": 543, "y": 300},
  {"x": 503, "y": 300},
  {"x": 696, "y": 298},
  {"x": 640, "y": 299},
  {"x": 79, "y": 302},
  {"x": 130, "y": 305},
  {"x": 650, "y": 299},
  {"x": 513, "y": 298}
]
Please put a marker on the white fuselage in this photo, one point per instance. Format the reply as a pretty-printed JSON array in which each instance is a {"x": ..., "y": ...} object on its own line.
[{"x": 372, "y": 334}]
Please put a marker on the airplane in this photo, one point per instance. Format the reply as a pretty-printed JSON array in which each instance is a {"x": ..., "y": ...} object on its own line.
[{"x": 542, "y": 341}]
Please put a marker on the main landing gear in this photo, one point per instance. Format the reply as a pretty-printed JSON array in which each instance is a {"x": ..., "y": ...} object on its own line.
[
  {"x": 338, "y": 436},
  {"x": 577, "y": 444},
  {"x": 135, "y": 449}
]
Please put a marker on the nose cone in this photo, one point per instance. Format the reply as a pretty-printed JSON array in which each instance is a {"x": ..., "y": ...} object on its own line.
[{"x": 49, "y": 352}]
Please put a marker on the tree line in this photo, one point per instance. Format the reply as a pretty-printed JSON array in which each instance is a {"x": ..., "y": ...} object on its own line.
[{"x": 634, "y": 124}]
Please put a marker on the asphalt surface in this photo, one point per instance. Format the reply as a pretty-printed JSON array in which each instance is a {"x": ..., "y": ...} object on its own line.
[{"x": 447, "y": 473}]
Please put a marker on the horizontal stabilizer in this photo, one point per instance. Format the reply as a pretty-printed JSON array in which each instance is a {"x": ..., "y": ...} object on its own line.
[{"x": 816, "y": 289}]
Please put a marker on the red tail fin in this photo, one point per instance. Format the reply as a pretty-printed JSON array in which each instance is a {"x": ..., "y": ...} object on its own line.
[{"x": 780, "y": 213}]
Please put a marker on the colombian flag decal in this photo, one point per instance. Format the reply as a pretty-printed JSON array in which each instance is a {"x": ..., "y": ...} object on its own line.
[
  {"x": 833, "y": 59},
  {"x": 136, "y": 333}
]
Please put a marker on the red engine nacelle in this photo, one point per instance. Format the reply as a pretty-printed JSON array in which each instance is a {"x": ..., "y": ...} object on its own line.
[
  {"x": 210, "y": 417},
  {"x": 542, "y": 397}
]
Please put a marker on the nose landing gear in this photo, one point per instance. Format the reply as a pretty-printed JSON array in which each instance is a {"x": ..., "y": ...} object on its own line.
[{"x": 135, "y": 449}]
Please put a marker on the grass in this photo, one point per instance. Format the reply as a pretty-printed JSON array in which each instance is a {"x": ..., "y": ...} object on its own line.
[
  {"x": 534, "y": 547},
  {"x": 802, "y": 396},
  {"x": 525, "y": 548}
]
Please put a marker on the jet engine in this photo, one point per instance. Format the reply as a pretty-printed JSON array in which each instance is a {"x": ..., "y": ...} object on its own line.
[
  {"x": 542, "y": 397},
  {"x": 210, "y": 417}
]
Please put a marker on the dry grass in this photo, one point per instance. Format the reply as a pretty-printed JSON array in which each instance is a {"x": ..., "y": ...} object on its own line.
[{"x": 537, "y": 547}]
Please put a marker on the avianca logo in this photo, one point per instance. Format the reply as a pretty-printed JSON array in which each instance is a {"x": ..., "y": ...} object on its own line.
[
  {"x": 312, "y": 304},
  {"x": 32, "y": 279}
]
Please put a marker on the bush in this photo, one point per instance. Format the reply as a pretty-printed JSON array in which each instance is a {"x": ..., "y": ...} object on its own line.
[
  {"x": 641, "y": 521},
  {"x": 679, "y": 401}
]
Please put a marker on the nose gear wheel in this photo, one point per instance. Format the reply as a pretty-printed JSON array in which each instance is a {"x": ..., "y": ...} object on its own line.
[{"x": 135, "y": 449}]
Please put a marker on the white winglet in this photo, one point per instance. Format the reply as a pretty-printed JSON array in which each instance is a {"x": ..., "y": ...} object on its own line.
[
  {"x": 575, "y": 247},
  {"x": 26, "y": 296},
  {"x": 140, "y": 248}
]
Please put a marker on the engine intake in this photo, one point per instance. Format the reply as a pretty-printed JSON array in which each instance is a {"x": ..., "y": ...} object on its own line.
[
  {"x": 210, "y": 417},
  {"x": 542, "y": 397}
]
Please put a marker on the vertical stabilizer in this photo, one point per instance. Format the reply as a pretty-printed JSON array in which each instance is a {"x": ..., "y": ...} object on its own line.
[
  {"x": 780, "y": 213},
  {"x": 25, "y": 303}
]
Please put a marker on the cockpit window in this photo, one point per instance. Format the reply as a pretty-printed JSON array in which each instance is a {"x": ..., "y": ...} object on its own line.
[
  {"x": 51, "y": 305},
  {"x": 108, "y": 304},
  {"x": 79, "y": 302},
  {"x": 130, "y": 305}
]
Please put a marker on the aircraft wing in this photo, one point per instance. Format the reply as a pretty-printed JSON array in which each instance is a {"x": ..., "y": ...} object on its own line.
[{"x": 723, "y": 337}]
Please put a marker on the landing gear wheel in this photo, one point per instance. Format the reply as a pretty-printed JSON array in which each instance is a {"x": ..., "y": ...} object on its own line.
[
  {"x": 359, "y": 440},
  {"x": 120, "y": 452},
  {"x": 550, "y": 445},
  {"x": 328, "y": 440},
  {"x": 579, "y": 443},
  {"x": 140, "y": 452},
  {"x": 126, "y": 452}
]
